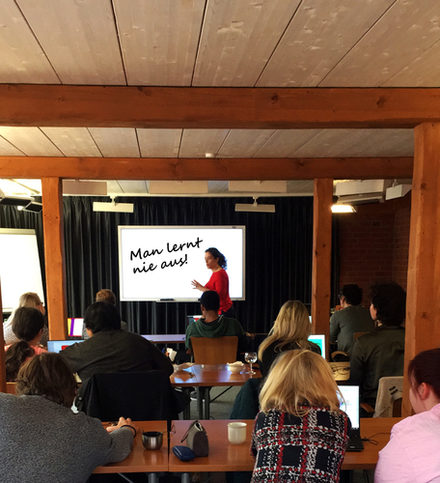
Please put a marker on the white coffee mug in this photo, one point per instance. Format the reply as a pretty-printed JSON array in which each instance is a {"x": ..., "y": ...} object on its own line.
[{"x": 237, "y": 432}]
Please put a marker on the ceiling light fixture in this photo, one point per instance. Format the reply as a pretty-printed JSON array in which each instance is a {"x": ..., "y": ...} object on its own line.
[
  {"x": 343, "y": 208},
  {"x": 254, "y": 207},
  {"x": 113, "y": 207}
]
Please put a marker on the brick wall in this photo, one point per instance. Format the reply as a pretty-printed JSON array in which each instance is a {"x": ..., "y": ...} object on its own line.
[{"x": 373, "y": 244}]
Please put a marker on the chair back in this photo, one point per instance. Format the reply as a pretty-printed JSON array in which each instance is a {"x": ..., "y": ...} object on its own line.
[
  {"x": 389, "y": 397},
  {"x": 214, "y": 350},
  {"x": 141, "y": 396}
]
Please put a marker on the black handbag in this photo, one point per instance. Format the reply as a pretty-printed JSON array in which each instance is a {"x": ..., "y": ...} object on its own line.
[{"x": 197, "y": 439}]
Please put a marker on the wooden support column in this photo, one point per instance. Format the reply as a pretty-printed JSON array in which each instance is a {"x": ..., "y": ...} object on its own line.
[
  {"x": 2, "y": 351},
  {"x": 321, "y": 268},
  {"x": 54, "y": 256},
  {"x": 423, "y": 286}
]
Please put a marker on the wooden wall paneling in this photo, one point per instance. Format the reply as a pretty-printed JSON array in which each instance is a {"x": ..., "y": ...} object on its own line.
[
  {"x": 52, "y": 192},
  {"x": 79, "y": 38},
  {"x": 2, "y": 351},
  {"x": 401, "y": 35},
  {"x": 423, "y": 288},
  {"x": 159, "y": 39},
  {"x": 72, "y": 141},
  {"x": 30, "y": 141},
  {"x": 321, "y": 266},
  {"x": 320, "y": 34},
  {"x": 358, "y": 142},
  {"x": 205, "y": 169},
  {"x": 22, "y": 59},
  {"x": 284, "y": 142},
  {"x": 114, "y": 141},
  {"x": 238, "y": 38},
  {"x": 8, "y": 149},
  {"x": 216, "y": 108},
  {"x": 244, "y": 142},
  {"x": 197, "y": 142},
  {"x": 159, "y": 142}
]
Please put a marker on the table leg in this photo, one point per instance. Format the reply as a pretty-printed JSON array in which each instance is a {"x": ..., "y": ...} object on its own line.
[
  {"x": 185, "y": 478},
  {"x": 207, "y": 397},
  {"x": 200, "y": 402},
  {"x": 152, "y": 478},
  {"x": 187, "y": 409}
]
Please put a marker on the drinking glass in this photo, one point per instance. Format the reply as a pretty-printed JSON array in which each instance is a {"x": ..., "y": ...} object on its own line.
[{"x": 250, "y": 358}]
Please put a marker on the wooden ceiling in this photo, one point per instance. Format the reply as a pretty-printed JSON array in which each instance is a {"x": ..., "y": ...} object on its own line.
[{"x": 216, "y": 43}]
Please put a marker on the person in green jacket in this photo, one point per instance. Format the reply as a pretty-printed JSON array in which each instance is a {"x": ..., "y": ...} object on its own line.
[{"x": 213, "y": 325}]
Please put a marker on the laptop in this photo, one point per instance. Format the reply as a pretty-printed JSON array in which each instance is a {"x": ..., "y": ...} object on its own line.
[
  {"x": 75, "y": 326},
  {"x": 319, "y": 339},
  {"x": 350, "y": 405},
  {"x": 59, "y": 345},
  {"x": 192, "y": 318}
]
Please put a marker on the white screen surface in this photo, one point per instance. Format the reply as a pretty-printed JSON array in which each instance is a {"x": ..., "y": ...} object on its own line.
[
  {"x": 350, "y": 403},
  {"x": 159, "y": 262},
  {"x": 20, "y": 270}
]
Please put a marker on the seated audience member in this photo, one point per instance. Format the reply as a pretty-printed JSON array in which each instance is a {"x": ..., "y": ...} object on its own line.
[
  {"x": 380, "y": 353},
  {"x": 28, "y": 324},
  {"x": 105, "y": 295},
  {"x": 290, "y": 330},
  {"x": 110, "y": 349},
  {"x": 28, "y": 299},
  {"x": 300, "y": 434},
  {"x": 41, "y": 439},
  {"x": 213, "y": 325},
  {"x": 411, "y": 455},
  {"x": 352, "y": 318}
]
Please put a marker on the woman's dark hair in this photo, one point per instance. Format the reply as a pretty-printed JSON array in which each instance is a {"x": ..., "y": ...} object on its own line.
[
  {"x": 27, "y": 322},
  {"x": 352, "y": 293},
  {"x": 15, "y": 356},
  {"x": 102, "y": 316},
  {"x": 49, "y": 376},
  {"x": 425, "y": 367},
  {"x": 389, "y": 300},
  {"x": 218, "y": 255}
]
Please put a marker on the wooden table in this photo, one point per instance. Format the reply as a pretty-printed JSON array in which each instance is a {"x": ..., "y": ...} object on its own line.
[
  {"x": 141, "y": 460},
  {"x": 165, "y": 338},
  {"x": 224, "y": 456},
  {"x": 205, "y": 376}
]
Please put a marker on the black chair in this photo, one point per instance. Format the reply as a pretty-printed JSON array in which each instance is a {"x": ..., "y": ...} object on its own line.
[{"x": 140, "y": 396}]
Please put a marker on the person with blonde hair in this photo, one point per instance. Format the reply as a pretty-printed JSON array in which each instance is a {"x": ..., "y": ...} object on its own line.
[
  {"x": 300, "y": 434},
  {"x": 290, "y": 330},
  {"x": 28, "y": 299}
]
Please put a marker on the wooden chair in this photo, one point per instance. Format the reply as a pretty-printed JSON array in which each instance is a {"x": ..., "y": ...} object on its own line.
[{"x": 214, "y": 350}]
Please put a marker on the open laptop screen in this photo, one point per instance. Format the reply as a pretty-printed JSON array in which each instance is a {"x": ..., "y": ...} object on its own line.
[
  {"x": 192, "y": 318},
  {"x": 75, "y": 326},
  {"x": 319, "y": 339},
  {"x": 59, "y": 345},
  {"x": 350, "y": 404}
]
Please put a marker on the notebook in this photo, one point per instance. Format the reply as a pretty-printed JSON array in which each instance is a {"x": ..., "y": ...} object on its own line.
[
  {"x": 319, "y": 339},
  {"x": 59, "y": 345},
  {"x": 350, "y": 405}
]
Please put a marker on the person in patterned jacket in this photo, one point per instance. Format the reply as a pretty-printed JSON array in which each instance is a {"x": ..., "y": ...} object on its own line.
[{"x": 300, "y": 434}]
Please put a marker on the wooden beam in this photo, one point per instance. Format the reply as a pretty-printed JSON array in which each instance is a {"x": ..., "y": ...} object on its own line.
[
  {"x": 216, "y": 107},
  {"x": 54, "y": 256},
  {"x": 205, "y": 169},
  {"x": 2, "y": 348},
  {"x": 423, "y": 286},
  {"x": 321, "y": 266}
]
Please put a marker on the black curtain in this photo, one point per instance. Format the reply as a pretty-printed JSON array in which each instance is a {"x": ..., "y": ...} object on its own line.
[{"x": 278, "y": 254}]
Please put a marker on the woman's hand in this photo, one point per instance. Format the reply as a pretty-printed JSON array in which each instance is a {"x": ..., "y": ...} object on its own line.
[
  {"x": 197, "y": 285},
  {"x": 122, "y": 422}
]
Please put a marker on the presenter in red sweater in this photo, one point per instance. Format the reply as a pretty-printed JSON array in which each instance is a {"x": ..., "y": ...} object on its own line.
[{"x": 219, "y": 281}]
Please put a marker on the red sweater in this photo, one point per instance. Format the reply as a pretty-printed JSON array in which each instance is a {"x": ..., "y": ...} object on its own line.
[{"x": 219, "y": 282}]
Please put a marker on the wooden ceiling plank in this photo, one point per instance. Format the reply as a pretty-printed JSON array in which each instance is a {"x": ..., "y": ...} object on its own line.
[
  {"x": 244, "y": 142},
  {"x": 114, "y": 141},
  {"x": 205, "y": 169},
  {"x": 358, "y": 142},
  {"x": 285, "y": 142},
  {"x": 79, "y": 38},
  {"x": 29, "y": 140},
  {"x": 22, "y": 59},
  {"x": 237, "y": 39},
  {"x": 216, "y": 108},
  {"x": 320, "y": 34},
  {"x": 406, "y": 30},
  {"x": 159, "y": 142},
  {"x": 197, "y": 142},
  {"x": 72, "y": 141},
  {"x": 159, "y": 39}
]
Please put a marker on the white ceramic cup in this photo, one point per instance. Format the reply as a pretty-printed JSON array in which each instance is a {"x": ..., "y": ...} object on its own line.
[{"x": 237, "y": 432}]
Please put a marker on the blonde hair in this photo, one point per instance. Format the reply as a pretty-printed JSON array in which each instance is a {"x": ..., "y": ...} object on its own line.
[
  {"x": 300, "y": 378},
  {"x": 29, "y": 299},
  {"x": 291, "y": 325}
]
